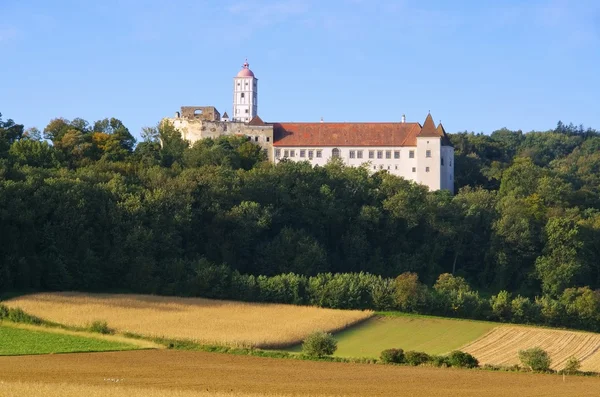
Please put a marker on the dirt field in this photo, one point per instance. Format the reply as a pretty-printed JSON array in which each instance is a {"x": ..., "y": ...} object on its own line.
[
  {"x": 202, "y": 320},
  {"x": 501, "y": 346},
  {"x": 180, "y": 371}
]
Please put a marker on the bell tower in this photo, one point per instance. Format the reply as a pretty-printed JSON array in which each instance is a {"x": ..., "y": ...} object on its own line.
[{"x": 245, "y": 95}]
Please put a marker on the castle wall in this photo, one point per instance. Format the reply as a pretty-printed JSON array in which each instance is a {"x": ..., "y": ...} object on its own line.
[{"x": 197, "y": 129}]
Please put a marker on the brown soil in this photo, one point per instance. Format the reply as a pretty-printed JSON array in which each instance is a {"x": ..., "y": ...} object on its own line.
[{"x": 212, "y": 372}]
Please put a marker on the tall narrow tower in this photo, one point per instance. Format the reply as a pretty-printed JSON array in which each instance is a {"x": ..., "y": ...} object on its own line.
[{"x": 245, "y": 95}]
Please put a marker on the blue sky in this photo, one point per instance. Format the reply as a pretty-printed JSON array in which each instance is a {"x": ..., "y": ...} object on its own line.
[{"x": 477, "y": 65}]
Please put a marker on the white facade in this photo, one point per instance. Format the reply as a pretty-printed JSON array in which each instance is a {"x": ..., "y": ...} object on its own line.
[
  {"x": 245, "y": 95},
  {"x": 428, "y": 163}
]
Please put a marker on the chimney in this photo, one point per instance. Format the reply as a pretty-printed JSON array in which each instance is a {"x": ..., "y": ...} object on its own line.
[{"x": 404, "y": 118}]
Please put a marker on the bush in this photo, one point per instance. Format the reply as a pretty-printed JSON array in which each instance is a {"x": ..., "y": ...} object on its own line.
[
  {"x": 439, "y": 361},
  {"x": 392, "y": 356},
  {"x": 572, "y": 366},
  {"x": 100, "y": 327},
  {"x": 319, "y": 344},
  {"x": 416, "y": 358},
  {"x": 536, "y": 359},
  {"x": 3, "y": 312},
  {"x": 462, "y": 359},
  {"x": 19, "y": 316}
]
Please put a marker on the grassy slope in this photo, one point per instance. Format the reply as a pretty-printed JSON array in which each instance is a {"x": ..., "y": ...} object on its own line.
[
  {"x": 432, "y": 335},
  {"x": 16, "y": 340}
]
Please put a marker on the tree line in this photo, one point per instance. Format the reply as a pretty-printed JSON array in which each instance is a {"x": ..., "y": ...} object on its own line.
[{"x": 82, "y": 206}]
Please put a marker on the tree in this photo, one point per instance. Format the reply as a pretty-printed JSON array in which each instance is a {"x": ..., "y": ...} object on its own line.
[
  {"x": 410, "y": 294},
  {"x": 319, "y": 344},
  {"x": 535, "y": 358},
  {"x": 572, "y": 366}
]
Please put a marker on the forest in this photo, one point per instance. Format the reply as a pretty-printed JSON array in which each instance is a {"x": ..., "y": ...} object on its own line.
[{"x": 86, "y": 207}]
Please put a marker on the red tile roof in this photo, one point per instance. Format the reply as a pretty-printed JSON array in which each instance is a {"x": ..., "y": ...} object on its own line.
[
  {"x": 345, "y": 134},
  {"x": 256, "y": 120},
  {"x": 356, "y": 134}
]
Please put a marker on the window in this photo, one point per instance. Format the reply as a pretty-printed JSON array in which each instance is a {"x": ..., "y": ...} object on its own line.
[
  {"x": 352, "y": 154},
  {"x": 414, "y": 169},
  {"x": 286, "y": 153},
  {"x": 397, "y": 154},
  {"x": 335, "y": 152},
  {"x": 426, "y": 169},
  {"x": 411, "y": 154},
  {"x": 319, "y": 154},
  {"x": 255, "y": 139},
  {"x": 242, "y": 95},
  {"x": 380, "y": 167},
  {"x": 388, "y": 167},
  {"x": 388, "y": 154},
  {"x": 302, "y": 153},
  {"x": 428, "y": 153},
  {"x": 374, "y": 167},
  {"x": 292, "y": 153},
  {"x": 442, "y": 161},
  {"x": 247, "y": 84},
  {"x": 380, "y": 154},
  {"x": 268, "y": 139},
  {"x": 396, "y": 167},
  {"x": 246, "y": 110},
  {"x": 359, "y": 154},
  {"x": 277, "y": 153},
  {"x": 310, "y": 154},
  {"x": 238, "y": 84},
  {"x": 371, "y": 154}
]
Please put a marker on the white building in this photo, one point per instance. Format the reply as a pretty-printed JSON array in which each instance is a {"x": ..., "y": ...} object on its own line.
[
  {"x": 421, "y": 153},
  {"x": 245, "y": 95}
]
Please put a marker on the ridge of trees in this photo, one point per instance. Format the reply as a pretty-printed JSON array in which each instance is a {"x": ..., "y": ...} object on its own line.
[{"x": 83, "y": 207}]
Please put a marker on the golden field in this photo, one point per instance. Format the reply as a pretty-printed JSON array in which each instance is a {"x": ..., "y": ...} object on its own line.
[
  {"x": 202, "y": 320},
  {"x": 501, "y": 346},
  {"x": 184, "y": 373}
]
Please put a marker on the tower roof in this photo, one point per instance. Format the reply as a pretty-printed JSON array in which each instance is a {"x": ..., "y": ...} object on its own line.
[
  {"x": 225, "y": 115},
  {"x": 245, "y": 72},
  {"x": 429, "y": 129}
]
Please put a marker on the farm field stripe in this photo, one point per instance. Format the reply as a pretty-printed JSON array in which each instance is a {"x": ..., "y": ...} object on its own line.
[
  {"x": 180, "y": 371},
  {"x": 501, "y": 346},
  {"x": 204, "y": 321}
]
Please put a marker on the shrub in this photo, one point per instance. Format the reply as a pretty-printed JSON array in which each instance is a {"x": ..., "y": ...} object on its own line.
[
  {"x": 319, "y": 344},
  {"x": 461, "y": 359},
  {"x": 439, "y": 361},
  {"x": 572, "y": 366},
  {"x": 3, "y": 312},
  {"x": 536, "y": 359},
  {"x": 416, "y": 358},
  {"x": 100, "y": 327},
  {"x": 392, "y": 356},
  {"x": 19, "y": 316}
]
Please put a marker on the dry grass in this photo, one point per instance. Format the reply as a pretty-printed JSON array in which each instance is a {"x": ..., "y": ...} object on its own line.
[
  {"x": 501, "y": 346},
  {"x": 110, "y": 390},
  {"x": 183, "y": 373},
  {"x": 201, "y": 320}
]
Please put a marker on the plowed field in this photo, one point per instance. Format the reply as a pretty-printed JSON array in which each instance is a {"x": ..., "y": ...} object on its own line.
[
  {"x": 502, "y": 344},
  {"x": 186, "y": 373},
  {"x": 202, "y": 320}
]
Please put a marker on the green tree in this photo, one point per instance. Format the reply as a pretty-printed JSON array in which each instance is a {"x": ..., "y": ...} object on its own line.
[
  {"x": 535, "y": 359},
  {"x": 319, "y": 344}
]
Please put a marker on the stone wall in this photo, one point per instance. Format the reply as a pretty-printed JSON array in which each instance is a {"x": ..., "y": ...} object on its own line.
[
  {"x": 208, "y": 113},
  {"x": 196, "y": 129}
]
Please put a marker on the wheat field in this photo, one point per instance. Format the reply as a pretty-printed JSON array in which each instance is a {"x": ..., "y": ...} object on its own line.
[
  {"x": 501, "y": 346},
  {"x": 201, "y": 320}
]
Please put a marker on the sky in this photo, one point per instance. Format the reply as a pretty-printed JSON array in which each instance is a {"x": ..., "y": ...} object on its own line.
[{"x": 476, "y": 65}]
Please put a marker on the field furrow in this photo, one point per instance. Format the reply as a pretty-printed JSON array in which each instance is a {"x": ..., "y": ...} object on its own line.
[{"x": 501, "y": 346}]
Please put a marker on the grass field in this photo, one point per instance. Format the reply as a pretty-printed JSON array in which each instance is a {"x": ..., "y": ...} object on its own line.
[
  {"x": 200, "y": 320},
  {"x": 169, "y": 372},
  {"x": 427, "y": 334},
  {"x": 15, "y": 340},
  {"x": 502, "y": 344}
]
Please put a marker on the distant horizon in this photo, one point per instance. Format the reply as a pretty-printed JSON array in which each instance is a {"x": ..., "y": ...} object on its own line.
[{"x": 477, "y": 67}]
